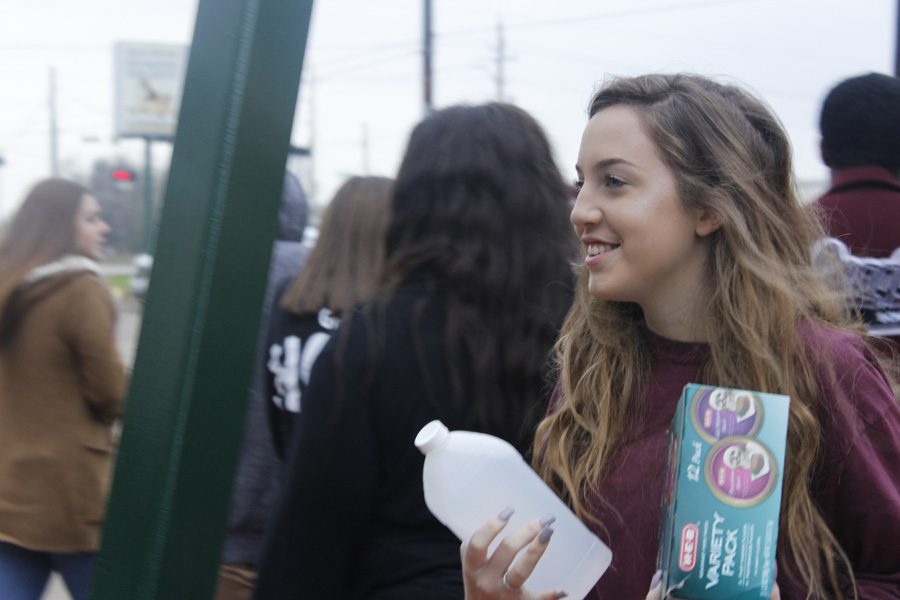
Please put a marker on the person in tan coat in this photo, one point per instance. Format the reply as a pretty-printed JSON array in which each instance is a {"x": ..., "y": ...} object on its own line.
[{"x": 61, "y": 388}]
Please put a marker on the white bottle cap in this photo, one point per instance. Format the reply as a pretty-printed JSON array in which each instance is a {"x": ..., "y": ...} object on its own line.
[{"x": 432, "y": 436}]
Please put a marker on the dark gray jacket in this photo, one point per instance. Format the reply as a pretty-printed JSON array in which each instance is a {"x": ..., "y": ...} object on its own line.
[{"x": 257, "y": 482}]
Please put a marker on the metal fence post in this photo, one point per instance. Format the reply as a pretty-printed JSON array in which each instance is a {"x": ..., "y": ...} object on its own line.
[{"x": 185, "y": 411}]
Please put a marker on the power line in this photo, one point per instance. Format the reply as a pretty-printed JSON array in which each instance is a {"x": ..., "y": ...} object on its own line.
[
  {"x": 371, "y": 52},
  {"x": 444, "y": 35},
  {"x": 385, "y": 53},
  {"x": 29, "y": 124},
  {"x": 78, "y": 129},
  {"x": 500, "y": 75},
  {"x": 54, "y": 134},
  {"x": 31, "y": 46},
  {"x": 600, "y": 16},
  {"x": 365, "y": 64},
  {"x": 427, "y": 57},
  {"x": 74, "y": 97}
]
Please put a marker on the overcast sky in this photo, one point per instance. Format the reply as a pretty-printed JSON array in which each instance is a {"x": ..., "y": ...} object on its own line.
[{"x": 362, "y": 88}]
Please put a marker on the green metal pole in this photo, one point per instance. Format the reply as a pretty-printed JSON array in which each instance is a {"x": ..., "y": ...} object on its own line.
[
  {"x": 185, "y": 411},
  {"x": 148, "y": 195}
]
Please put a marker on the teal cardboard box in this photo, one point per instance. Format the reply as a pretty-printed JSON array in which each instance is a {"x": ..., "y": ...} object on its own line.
[{"x": 723, "y": 494}]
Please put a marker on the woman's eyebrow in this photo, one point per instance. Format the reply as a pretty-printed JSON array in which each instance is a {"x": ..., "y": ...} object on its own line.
[{"x": 608, "y": 162}]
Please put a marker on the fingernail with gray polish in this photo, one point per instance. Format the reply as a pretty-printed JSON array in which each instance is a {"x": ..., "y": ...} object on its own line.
[
  {"x": 562, "y": 595},
  {"x": 506, "y": 513},
  {"x": 546, "y": 532},
  {"x": 655, "y": 581},
  {"x": 548, "y": 520}
]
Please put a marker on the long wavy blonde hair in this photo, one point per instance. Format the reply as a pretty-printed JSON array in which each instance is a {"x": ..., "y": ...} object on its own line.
[{"x": 732, "y": 158}]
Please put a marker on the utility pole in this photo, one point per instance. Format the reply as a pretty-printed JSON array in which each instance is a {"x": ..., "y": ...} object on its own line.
[
  {"x": 148, "y": 195},
  {"x": 897, "y": 43},
  {"x": 54, "y": 148},
  {"x": 501, "y": 63},
  {"x": 427, "y": 58},
  {"x": 2, "y": 199},
  {"x": 314, "y": 198},
  {"x": 364, "y": 146}
]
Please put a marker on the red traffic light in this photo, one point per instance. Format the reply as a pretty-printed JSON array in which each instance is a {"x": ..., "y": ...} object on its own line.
[{"x": 123, "y": 175}]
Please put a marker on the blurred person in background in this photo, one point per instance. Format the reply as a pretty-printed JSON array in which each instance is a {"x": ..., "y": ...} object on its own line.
[
  {"x": 339, "y": 273},
  {"x": 342, "y": 271},
  {"x": 62, "y": 382},
  {"x": 477, "y": 280},
  {"x": 860, "y": 126},
  {"x": 256, "y": 482}
]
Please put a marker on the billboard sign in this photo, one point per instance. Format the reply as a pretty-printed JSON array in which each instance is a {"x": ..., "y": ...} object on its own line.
[{"x": 148, "y": 84}]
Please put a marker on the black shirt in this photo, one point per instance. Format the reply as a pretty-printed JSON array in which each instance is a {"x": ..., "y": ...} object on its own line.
[{"x": 353, "y": 522}]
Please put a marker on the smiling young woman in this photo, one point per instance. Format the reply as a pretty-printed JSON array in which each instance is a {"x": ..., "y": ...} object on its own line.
[
  {"x": 697, "y": 269},
  {"x": 641, "y": 244}
]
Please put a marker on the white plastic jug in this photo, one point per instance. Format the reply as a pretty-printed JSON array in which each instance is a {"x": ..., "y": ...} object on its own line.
[{"x": 470, "y": 477}]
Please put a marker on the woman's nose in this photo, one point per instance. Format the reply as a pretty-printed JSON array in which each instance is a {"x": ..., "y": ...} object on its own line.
[{"x": 584, "y": 212}]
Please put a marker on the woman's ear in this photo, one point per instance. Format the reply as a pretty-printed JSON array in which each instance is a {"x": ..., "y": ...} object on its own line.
[{"x": 707, "y": 223}]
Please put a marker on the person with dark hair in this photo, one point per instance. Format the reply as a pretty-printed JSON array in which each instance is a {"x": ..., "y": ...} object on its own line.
[
  {"x": 341, "y": 272},
  {"x": 697, "y": 268},
  {"x": 62, "y": 382},
  {"x": 477, "y": 279},
  {"x": 860, "y": 126},
  {"x": 256, "y": 481}
]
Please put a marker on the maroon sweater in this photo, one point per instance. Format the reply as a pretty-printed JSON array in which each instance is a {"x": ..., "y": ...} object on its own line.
[
  {"x": 862, "y": 209},
  {"x": 855, "y": 484}
]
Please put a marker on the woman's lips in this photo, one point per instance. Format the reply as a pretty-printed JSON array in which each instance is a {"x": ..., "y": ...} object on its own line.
[{"x": 598, "y": 251}]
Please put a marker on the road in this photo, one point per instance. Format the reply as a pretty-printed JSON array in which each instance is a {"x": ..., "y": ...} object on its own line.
[
  {"x": 56, "y": 590},
  {"x": 128, "y": 327}
]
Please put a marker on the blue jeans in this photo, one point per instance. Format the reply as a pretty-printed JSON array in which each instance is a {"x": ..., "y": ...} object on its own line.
[{"x": 24, "y": 573}]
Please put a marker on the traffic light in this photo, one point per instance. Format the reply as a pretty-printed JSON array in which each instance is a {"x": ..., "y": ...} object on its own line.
[{"x": 124, "y": 175}]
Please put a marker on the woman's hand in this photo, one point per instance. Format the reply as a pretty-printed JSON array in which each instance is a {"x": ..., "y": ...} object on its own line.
[
  {"x": 655, "y": 592},
  {"x": 497, "y": 577}
]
